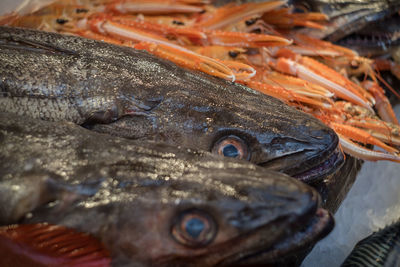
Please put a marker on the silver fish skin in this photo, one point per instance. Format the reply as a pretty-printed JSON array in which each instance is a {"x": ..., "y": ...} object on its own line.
[
  {"x": 129, "y": 93},
  {"x": 139, "y": 198},
  {"x": 380, "y": 249}
]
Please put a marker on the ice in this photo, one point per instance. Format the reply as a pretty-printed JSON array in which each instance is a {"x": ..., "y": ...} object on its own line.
[
  {"x": 7, "y": 6},
  {"x": 22, "y": 6},
  {"x": 372, "y": 203}
]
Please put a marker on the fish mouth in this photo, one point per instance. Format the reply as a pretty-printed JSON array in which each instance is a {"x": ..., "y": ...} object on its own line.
[
  {"x": 327, "y": 167},
  {"x": 310, "y": 165},
  {"x": 317, "y": 227}
]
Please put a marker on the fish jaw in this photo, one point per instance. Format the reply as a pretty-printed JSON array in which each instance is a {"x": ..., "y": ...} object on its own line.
[
  {"x": 315, "y": 229},
  {"x": 309, "y": 156}
]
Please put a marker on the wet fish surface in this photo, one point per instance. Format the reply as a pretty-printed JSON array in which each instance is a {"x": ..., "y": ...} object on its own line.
[
  {"x": 153, "y": 204},
  {"x": 379, "y": 38},
  {"x": 129, "y": 93},
  {"x": 380, "y": 249},
  {"x": 369, "y": 27}
]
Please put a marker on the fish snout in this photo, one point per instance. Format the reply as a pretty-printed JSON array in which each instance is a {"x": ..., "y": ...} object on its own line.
[
  {"x": 310, "y": 156},
  {"x": 279, "y": 198},
  {"x": 283, "y": 217}
]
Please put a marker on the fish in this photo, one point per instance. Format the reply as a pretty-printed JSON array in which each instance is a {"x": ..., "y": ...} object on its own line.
[
  {"x": 382, "y": 248},
  {"x": 379, "y": 38},
  {"x": 368, "y": 27},
  {"x": 152, "y": 204},
  {"x": 334, "y": 188},
  {"x": 128, "y": 93}
]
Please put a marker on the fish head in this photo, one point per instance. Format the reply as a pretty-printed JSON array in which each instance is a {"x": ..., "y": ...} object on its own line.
[
  {"x": 206, "y": 218},
  {"x": 207, "y": 113},
  {"x": 129, "y": 93},
  {"x": 152, "y": 204}
]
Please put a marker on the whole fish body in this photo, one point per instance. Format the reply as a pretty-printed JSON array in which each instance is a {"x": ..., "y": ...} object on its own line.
[
  {"x": 140, "y": 198},
  {"x": 129, "y": 93},
  {"x": 380, "y": 249}
]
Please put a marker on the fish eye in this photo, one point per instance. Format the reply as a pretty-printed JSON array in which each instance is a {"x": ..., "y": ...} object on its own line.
[
  {"x": 231, "y": 146},
  {"x": 194, "y": 228}
]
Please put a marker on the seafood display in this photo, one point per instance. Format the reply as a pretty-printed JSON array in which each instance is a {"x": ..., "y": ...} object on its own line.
[
  {"x": 254, "y": 44},
  {"x": 164, "y": 90},
  {"x": 200, "y": 209},
  {"x": 368, "y": 27},
  {"x": 129, "y": 93},
  {"x": 381, "y": 248}
]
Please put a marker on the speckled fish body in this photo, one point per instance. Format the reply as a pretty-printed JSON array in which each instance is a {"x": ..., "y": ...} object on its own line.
[
  {"x": 381, "y": 249},
  {"x": 140, "y": 198},
  {"x": 377, "y": 38},
  {"x": 369, "y": 27},
  {"x": 129, "y": 93}
]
